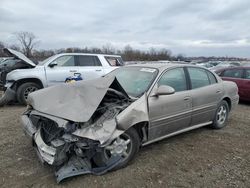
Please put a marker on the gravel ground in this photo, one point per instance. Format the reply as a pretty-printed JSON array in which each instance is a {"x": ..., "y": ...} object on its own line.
[{"x": 200, "y": 158}]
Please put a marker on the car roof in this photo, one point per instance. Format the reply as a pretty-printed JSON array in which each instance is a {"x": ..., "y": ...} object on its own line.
[
  {"x": 162, "y": 66},
  {"x": 109, "y": 55}
]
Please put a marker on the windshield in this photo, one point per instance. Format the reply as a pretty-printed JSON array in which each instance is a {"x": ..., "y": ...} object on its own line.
[
  {"x": 45, "y": 61},
  {"x": 135, "y": 80}
]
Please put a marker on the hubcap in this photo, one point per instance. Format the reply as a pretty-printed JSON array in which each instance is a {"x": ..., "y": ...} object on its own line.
[
  {"x": 121, "y": 146},
  {"x": 221, "y": 115},
  {"x": 29, "y": 90}
]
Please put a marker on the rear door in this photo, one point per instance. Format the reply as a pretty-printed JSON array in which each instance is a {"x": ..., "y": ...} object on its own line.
[
  {"x": 170, "y": 113},
  {"x": 89, "y": 66},
  {"x": 234, "y": 75},
  {"x": 64, "y": 67},
  {"x": 206, "y": 94}
]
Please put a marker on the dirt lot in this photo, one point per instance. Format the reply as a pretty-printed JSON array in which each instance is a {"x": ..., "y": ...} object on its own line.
[{"x": 201, "y": 158}]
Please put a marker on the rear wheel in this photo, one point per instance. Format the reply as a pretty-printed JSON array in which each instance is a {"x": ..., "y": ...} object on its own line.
[
  {"x": 221, "y": 115},
  {"x": 24, "y": 90},
  {"x": 126, "y": 145}
]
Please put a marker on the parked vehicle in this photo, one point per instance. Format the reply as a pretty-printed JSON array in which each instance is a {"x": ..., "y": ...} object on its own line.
[
  {"x": 98, "y": 125},
  {"x": 239, "y": 75},
  {"x": 207, "y": 65},
  {"x": 225, "y": 65},
  {"x": 28, "y": 77}
]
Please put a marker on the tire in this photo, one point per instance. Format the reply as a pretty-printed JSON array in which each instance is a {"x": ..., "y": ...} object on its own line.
[
  {"x": 101, "y": 158},
  {"x": 25, "y": 89},
  {"x": 221, "y": 115}
]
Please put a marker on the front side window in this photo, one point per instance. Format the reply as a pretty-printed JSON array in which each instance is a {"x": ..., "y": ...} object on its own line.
[
  {"x": 86, "y": 60},
  {"x": 233, "y": 73},
  {"x": 65, "y": 61},
  {"x": 198, "y": 77},
  {"x": 175, "y": 78}
]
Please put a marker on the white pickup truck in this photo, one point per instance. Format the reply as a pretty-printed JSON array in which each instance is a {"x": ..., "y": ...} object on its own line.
[{"x": 26, "y": 77}]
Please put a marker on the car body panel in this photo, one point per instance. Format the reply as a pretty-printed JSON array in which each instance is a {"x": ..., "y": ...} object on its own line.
[
  {"x": 204, "y": 102},
  {"x": 169, "y": 113}
]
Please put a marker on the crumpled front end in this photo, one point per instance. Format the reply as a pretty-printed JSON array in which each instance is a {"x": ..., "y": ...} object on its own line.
[
  {"x": 72, "y": 146},
  {"x": 72, "y": 132},
  {"x": 57, "y": 146}
]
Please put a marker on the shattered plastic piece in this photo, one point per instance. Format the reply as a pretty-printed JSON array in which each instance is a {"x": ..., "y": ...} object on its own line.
[{"x": 79, "y": 166}]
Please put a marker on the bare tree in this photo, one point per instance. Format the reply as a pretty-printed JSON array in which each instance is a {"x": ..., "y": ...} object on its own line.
[
  {"x": 108, "y": 49},
  {"x": 28, "y": 41}
]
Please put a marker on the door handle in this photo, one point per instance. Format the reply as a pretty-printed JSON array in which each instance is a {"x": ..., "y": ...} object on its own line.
[
  {"x": 218, "y": 91},
  {"x": 98, "y": 70},
  {"x": 73, "y": 71},
  {"x": 187, "y": 98}
]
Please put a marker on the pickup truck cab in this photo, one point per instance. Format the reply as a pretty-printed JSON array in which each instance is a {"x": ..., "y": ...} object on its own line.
[{"x": 54, "y": 70}]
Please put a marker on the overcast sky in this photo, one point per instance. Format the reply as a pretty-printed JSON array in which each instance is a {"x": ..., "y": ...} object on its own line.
[{"x": 190, "y": 27}]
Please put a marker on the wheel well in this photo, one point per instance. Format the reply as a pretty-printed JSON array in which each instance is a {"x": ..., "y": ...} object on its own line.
[
  {"x": 142, "y": 130},
  {"x": 34, "y": 80},
  {"x": 228, "y": 100}
]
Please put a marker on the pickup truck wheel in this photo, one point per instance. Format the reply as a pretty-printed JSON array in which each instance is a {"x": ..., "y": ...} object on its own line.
[
  {"x": 126, "y": 145},
  {"x": 24, "y": 90}
]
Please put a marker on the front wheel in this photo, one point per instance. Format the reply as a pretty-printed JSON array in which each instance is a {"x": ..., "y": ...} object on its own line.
[
  {"x": 24, "y": 90},
  {"x": 221, "y": 115},
  {"x": 126, "y": 145}
]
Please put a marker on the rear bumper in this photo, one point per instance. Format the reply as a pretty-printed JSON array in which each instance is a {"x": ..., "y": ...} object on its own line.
[{"x": 234, "y": 102}]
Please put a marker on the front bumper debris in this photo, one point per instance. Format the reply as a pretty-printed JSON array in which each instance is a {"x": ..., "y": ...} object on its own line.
[
  {"x": 80, "y": 166},
  {"x": 28, "y": 127}
]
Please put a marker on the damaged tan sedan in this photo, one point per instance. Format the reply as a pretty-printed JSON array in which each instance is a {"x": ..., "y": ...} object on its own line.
[{"x": 98, "y": 125}]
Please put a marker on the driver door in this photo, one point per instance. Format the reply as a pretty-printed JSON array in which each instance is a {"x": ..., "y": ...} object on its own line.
[
  {"x": 170, "y": 113},
  {"x": 64, "y": 67}
]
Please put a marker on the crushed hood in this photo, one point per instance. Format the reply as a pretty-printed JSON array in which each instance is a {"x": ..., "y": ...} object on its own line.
[
  {"x": 76, "y": 101},
  {"x": 19, "y": 55}
]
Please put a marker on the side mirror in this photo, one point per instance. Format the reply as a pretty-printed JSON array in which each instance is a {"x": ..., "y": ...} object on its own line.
[
  {"x": 51, "y": 65},
  {"x": 164, "y": 90}
]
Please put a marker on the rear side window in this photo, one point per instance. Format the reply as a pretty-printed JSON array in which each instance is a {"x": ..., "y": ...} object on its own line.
[
  {"x": 65, "y": 61},
  {"x": 114, "y": 61},
  {"x": 87, "y": 60},
  {"x": 175, "y": 78},
  {"x": 247, "y": 76},
  {"x": 198, "y": 77},
  {"x": 233, "y": 73}
]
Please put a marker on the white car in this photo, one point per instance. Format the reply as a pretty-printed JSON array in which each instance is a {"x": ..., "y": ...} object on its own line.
[{"x": 30, "y": 77}]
